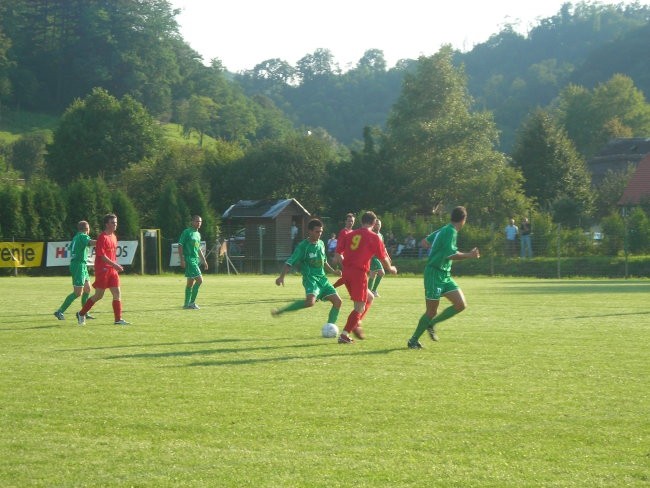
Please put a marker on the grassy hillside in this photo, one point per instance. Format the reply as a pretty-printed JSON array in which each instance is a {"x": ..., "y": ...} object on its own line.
[{"x": 15, "y": 124}]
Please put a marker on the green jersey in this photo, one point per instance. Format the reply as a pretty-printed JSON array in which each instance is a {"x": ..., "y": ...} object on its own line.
[
  {"x": 311, "y": 257},
  {"x": 443, "y": 245},
  {"x": 190, "y": 239},
  {"x": 79, "y": 248}
]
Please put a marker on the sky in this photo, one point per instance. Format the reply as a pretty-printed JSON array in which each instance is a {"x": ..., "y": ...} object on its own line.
[{"x": 243, "y": 33}]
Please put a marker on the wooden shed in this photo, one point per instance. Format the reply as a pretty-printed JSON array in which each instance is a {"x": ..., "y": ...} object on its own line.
[{"x": 262, "y": 229}]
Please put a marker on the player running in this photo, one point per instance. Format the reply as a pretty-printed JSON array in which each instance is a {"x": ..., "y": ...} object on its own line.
[
  {"x": 359, "y": 247},
  {"x": 437, "y": 276},
  {"x": 311, "y": 257}
]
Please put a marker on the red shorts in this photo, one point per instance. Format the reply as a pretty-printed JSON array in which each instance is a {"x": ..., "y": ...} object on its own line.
[
  {"x": 107, "y": 279},
  {"x": 356, "y": 281}
]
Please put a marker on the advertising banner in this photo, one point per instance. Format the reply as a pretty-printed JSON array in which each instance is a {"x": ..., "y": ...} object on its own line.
[
  {"x": 21, "y": 254},
  {"x": 59, "y": 255},
  {"x": 175, "y": 260}
]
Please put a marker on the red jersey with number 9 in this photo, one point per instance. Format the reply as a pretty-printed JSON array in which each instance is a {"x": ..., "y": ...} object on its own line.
[{"x": 359, "y": 248}]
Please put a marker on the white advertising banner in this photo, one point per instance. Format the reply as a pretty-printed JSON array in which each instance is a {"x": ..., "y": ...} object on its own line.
[
  {"x": 58, "y": 253},
  {"x": 175, "y": 260}
]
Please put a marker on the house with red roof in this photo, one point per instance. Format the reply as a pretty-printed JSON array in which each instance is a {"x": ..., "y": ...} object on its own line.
[{"x": 638, "y": 188}]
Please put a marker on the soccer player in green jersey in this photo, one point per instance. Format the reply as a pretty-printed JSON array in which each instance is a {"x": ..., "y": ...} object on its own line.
[
  {"x": 376, "y": 268},
  {"x": 191, "y": 254},
  {"x": 311, "y": 256},
  {"x": 78, "y": 268},
  {"x": 437, "y": 276}
]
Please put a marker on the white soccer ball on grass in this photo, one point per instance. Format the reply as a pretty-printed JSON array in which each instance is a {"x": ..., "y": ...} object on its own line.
[{"x": 330, "y": 330}]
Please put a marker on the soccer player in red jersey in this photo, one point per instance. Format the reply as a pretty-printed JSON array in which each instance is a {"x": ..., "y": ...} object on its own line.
[
  {"x": 359, "y": 246},
  {"x": 338, "y": 255},
  {"x": 106, "y": 272}
]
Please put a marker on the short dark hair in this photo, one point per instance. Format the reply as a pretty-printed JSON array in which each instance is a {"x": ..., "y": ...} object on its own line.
[
  {"x": 368, "y": 218},
  {"x": 109, "y": 216},
  {"x": 314, "y": 223},
  {"x": 458, "y": 214}
]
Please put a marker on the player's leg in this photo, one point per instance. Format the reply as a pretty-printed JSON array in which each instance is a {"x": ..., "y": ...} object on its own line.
[
  {"x": 425, "y": 320},
  {"x": 312, "y": 291},
  {"x": 116, "y": 292},
  {"x": 78, "y": 278},
  {"x": 189, "y": 283},
  {"x": 458, "y": 304},
  {"x": 76, "y": 291},
  {"x": 379, "y": 275},
  {"x": 371, "y": 278},
  {"x": 198, "y": 281},
  {"x": 432, "y": 293},
  {"x": 336, "y": 302},
  {"x": 357, "y": 285},
  {"x": 98, "y": 295}
]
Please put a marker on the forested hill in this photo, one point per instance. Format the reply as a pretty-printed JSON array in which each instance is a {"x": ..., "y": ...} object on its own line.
[
  {"x": 52, "y": 53},
  {"x": 510, "y": 74}
]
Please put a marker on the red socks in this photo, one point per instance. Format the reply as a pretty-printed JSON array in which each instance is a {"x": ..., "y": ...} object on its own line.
[
  {"x": 352, "y": 322},
  {"x": 87, "y": 306},
  {"x": 117, "y": 309}
]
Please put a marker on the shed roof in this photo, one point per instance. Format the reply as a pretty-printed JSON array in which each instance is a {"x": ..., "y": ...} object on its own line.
[
  {"x": 616, "y": 155},
  {"x": 262, "y": 208},
  {"x": 639, "y": 185}
]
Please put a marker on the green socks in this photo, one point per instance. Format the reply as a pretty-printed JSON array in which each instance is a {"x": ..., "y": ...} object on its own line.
[
  {"x": 376, "y": 282},
  {"x": 425, "y": 322},
  {"x": 297, "y": 305},
  {"x": 195, "y": 291},
  {"x": 188, "y": 295},
  {"x": 66, "y": 303},
  {"x": 333, "y": 315}
]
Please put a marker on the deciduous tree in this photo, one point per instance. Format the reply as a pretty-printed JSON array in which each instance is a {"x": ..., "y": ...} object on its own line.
[
  {"x": 442, "y": 151},
  {"x": 101, "y": 135}
]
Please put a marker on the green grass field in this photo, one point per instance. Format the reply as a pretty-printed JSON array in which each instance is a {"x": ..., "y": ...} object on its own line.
[{"x": 537, "y": 383}]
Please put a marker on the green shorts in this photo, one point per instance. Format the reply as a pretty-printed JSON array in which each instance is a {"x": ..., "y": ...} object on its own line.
[
  {"x": 375, "y": 264},
  {"x": 192, "y": 269},
  {"x": 79, "y": 272},
  {"x": 437, "y": 283},
  {"x": 319, "y": 287}
]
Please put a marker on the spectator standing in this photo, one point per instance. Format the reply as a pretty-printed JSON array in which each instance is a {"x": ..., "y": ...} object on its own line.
[
  {"x": 511, "y": 238},
  {"x": 294, "y": 235},
  {"x": 525, "y": 239},
  {"x": 331, "y": 246}
]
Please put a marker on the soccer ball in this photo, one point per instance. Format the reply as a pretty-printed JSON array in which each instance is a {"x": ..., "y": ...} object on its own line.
[{"x": 330, "y": 330}]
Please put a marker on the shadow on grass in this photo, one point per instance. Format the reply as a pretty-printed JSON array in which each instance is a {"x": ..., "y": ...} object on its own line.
[
  {"x": 602, "y": 315},
  {"x": 35, "y": 327},
  {"x": 234, "y": 350},
  {"x": 238, "y": 362},
  {"x": 203, "y": 352},
  {"x": 156, "y": 344},
  {"x": 576, "y": 287}
]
